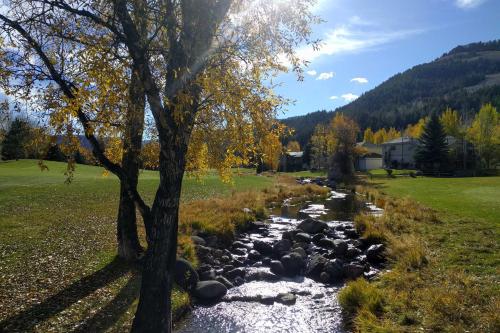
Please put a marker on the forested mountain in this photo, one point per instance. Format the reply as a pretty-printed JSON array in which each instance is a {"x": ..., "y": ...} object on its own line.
[{"x": 463, "y": 79}]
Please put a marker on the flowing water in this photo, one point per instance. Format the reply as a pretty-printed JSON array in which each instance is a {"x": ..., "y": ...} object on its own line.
[{"x": 316, "y": 308}]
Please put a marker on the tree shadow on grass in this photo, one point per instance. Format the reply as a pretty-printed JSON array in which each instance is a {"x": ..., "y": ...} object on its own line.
[
  {"x": 109, "y": 314},
  {"x": 26, "y": 320}
]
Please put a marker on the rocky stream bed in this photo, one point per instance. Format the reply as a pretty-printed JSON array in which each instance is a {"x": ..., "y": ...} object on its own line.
[{"x": 283, "y": 274}]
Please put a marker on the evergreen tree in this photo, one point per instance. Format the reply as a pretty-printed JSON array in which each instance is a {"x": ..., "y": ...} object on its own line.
[
  {"x": 432, "y": 154},
  {"x": 16, "y": 139}
]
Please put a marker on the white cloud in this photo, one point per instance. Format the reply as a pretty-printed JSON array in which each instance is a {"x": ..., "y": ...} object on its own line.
[
  {"x": 312, "y": 72},
  {"x": 349, "y": 97},
  {"x": 334, "y": 97},
  {"x": 325, "y": 76},
  {"x": 359, "y": 80},
  {"x": 465, "y": 4},
  {"x": 352, "y": 38}
]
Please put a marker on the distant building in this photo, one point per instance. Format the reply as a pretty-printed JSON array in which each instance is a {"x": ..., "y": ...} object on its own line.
[
  {"x": 370, "y": 160},
  {"x": 292, "y": 161},
  {"x": 399, "y": 153}
]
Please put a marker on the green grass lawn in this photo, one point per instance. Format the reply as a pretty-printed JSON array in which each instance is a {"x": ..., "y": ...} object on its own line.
[
  {"x": 57, "y": 244},
  {"x": 469, "y": 238}
]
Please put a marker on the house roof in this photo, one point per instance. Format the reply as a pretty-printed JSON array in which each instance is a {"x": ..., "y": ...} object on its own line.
[
  {"x": 404, "y": 139},
  {"x": 367, "y": 144},
  {"x": 371, "y": 155}
]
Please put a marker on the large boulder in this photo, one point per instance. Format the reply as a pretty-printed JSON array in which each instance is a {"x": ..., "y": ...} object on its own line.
[
  {"x": 277, "y": 267},
  {"x": 224, "y": 281},
  {"x": 312, "y": 226},
  {"x": 293, "y": 263},
  {"x": 334, "y": 269},
  {"x": 340, "y": 247},
  {"x": 211, "y": 291},
  {"x": 315, "y": 266},
  {"x": 254, "y": 255},
  {"x": 353, "y": 271},
  {"x": 198, "y": 240},
  {"x": 185, "y": 275},
  {"x": 263, "y": 247},
  {"x": 303, "y": 237},
  {"x": 240, "y": 245},
  {"x": 326, "y": 243},
  {"x": 281, "y": 247},
  {"x": 374, "y": 253}
]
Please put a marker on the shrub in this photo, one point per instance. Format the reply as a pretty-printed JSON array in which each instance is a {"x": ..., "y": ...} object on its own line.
[{"x": 360, "y": 295}]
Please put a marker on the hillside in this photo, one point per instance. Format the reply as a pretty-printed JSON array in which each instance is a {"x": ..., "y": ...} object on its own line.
[{"x": 462, "y": 79}]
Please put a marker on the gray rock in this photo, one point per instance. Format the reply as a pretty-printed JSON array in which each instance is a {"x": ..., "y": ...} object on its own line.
[
  {"x": 353, "y": 271},
  {"x": 312, "y": 226},
  {"x": 303, "y": 237},
  {"x": 210, "y": 290},
  {"x": 224, "y": 281},
  {"x": 351, "y": 233},
  {"x": 262, "y": 276},
  {"x": 232, "y": 274},
  {"x": 287, "y": 235},
  {"x": 327, "y": 243},
  {"x": 240, "y": 245},
  {"x": 286, "y": 298},
  {"x": 277, "y": 267},
  {"x": 281, "y": 247},
  {"x": 334, "y": 269},
  {"x": 266, "y": 261},
  {"x": 263, "y": 247},
  {"x": 198, "y": 240},
  {"x": 208, "y": 275},
  {"x": 300, "y": 251},
  {"x": 324, "y": 277},
  {"x": 340, "y": 247},
  {"x": 211, "y": 240},
  {"x": 316, "y": 238},
  {"x": 353, "y": 252},
  {"x": 239, "y": 251},
  {"x": 315, "y": 266},
  {"x": 254, "y": 255},
  {"x": 238, "y": 281},
  {"x": 293, "y": 263},
  {"x": 185, "y": 275},
  {"x": 374, "y": 253}
]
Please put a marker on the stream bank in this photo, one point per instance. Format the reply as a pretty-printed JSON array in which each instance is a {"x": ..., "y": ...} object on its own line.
[{"x": 284, "y": 274}]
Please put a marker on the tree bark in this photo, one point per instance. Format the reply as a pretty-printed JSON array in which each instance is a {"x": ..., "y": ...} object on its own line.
[
  {"x": 129, "y": 247},
  {"x": 154, "y": 312}
]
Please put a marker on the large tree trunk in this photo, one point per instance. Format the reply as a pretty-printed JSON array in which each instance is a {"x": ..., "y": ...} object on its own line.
[
  {"x": 129, "y": 246},
  {"x": 154, "y": 309}
]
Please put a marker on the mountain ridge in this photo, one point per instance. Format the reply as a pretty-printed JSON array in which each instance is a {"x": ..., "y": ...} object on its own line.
[{"x": 464, "y": 78}]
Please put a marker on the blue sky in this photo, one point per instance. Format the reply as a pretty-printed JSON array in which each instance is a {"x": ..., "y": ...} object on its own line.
[{"x": 365, "y": 42}]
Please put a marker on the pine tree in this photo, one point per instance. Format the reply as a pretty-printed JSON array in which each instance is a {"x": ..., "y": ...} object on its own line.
[
  {"x": 432, "y": 154},
  {"x": 14, "y": 144}
]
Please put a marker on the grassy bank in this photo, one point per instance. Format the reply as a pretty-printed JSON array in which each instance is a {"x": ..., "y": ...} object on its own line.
[
  {"x": 58, "y": 267},
  {"x": 57, "y": 245},
  {"x": 442, "y": 238}
]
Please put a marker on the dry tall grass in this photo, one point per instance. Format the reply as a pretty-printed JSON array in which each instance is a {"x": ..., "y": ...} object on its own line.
[
  {"x": 224, "y": 216},
  {"x": 418, "y": 292}
]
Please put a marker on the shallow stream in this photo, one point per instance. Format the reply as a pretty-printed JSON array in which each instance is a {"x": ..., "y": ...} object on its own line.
[{"x": 316, "y": 308}]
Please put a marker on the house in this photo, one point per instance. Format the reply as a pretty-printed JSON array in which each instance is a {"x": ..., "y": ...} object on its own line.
[
  {"x": 292, "y": 161},
  {"x": 399, "y": 153},
  {"x": 371, "y": 159}
]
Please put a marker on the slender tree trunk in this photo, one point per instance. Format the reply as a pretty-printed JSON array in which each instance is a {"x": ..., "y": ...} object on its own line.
[
  {"x": 154, "y": 309},
  {"x": 129, "y": 246}
]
